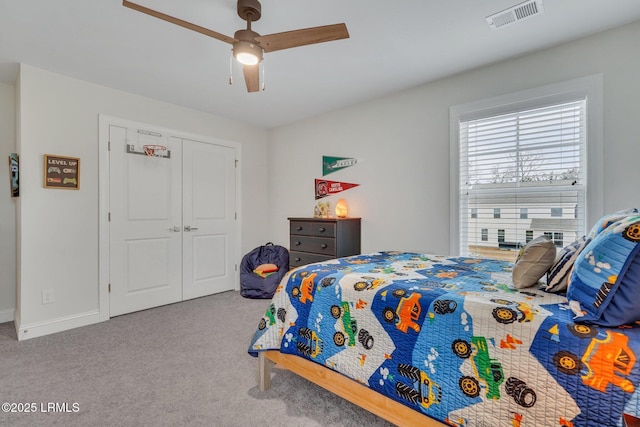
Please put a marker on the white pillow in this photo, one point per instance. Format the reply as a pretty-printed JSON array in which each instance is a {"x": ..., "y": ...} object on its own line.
[{"x": 534, "y": 260}]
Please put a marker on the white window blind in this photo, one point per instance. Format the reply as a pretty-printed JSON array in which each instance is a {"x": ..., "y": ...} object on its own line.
[{"x": 529, "y": 160}]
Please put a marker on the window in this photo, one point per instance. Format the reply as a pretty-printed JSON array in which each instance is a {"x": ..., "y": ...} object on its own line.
[
  {"x": 474, "y": 212},
  {"x": 484, "y": 234},
  {"x": 557, "y": 237},
  {"x": 524, "y": 156}
]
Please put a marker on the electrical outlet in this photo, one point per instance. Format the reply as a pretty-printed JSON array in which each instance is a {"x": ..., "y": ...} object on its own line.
[{"x": 48, "y": 296}]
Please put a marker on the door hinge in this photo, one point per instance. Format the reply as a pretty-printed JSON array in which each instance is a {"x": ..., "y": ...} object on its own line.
[
  {"x": 109, "y": 146},
  {"x": 109, "y": 217},
  {"x": 236, "y": 215},
  {"x": 109, "y": 287},
  {"x": 237, "y": 163},
  {"x": 236, "y": 267}
]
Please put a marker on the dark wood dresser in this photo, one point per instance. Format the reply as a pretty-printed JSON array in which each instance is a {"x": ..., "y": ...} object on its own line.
[{"x": 320, "y": 239}]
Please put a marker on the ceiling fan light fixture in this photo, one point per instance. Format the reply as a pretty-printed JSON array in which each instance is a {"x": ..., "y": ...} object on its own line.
[
  {"x": 248, "y": 47},
  {"x": 247, "y": 53}
]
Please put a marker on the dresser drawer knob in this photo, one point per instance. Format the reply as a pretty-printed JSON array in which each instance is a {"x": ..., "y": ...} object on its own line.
[
  {"x": 323, "y": 246},
  {"x": 322, "y": 229},
  {"x": 298, "y": 259},
  {"x": 298, "y": 243},
  {"x": 299, "y": 228}
]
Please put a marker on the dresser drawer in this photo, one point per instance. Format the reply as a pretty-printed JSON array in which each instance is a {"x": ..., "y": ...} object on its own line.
[
  {"x": 322, "y": 239},
  {"x": 296, "y": 259},
  {"x": 309, "y": 228},
  {"x": 317, "y": 245}
]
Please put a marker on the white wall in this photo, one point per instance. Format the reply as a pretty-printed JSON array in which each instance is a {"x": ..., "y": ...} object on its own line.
[
  {"x": 7, "y": 206},
  {"x": 402, "y": 143},
  {"x": 58, "y": 235}
]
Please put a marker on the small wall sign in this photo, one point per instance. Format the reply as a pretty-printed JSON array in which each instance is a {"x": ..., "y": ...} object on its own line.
[{"x": 61, "y": 172}]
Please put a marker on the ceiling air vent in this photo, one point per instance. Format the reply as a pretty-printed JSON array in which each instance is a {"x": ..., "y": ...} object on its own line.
[{"x": 515, "y": 14}]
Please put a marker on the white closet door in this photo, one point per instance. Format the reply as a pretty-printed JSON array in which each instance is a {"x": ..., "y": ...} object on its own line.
[
  {"x": 145, "y": 228},
  {"x": 208, "y": 218}
]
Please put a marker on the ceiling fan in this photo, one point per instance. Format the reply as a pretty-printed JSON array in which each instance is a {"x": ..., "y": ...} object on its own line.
[{"x": 249, "y": 46}]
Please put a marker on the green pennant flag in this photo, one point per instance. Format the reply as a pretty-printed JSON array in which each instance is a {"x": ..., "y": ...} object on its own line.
[{"x": 332, "y": 164}]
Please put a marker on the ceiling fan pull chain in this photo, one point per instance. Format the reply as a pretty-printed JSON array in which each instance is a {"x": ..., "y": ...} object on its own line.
[
  {"x": 263, "y": 74},
  {"x": 231, "y": 67}
]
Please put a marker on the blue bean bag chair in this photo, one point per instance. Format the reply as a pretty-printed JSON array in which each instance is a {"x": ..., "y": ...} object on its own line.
[{"x": 262, "y": 269}]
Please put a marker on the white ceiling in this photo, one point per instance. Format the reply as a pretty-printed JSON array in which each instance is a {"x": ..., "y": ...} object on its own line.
[{"x": 393, "y": 45}]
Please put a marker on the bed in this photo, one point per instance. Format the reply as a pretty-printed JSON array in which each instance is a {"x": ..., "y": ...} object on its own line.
[{"x": 431, "y": 340}]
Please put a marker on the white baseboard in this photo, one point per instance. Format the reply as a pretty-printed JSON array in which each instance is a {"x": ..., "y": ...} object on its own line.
[
  {"x": 7, "y": 315},
  {"x": 39, "y": 329}
]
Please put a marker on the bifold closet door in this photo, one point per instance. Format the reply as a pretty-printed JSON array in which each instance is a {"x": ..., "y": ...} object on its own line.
[
  {"x": 145, "y": 222},
  {"x": 208, "y": 215}
]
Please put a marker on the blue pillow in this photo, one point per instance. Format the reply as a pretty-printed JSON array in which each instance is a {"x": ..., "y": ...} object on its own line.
[
  {"x": 609, "y": 219},
  {"x": 604, "y": 287}
]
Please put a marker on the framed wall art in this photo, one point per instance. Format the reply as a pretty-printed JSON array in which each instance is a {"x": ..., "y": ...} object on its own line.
[
  {"x": 14, "y": 169},
  {"x": 61, "y": 172}
]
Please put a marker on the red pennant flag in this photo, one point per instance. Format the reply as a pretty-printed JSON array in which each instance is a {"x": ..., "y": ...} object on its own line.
[{"x": 324, "y": 188}]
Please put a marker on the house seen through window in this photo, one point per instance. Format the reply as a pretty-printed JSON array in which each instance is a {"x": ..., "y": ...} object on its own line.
[{"x": 521, "y": 174}]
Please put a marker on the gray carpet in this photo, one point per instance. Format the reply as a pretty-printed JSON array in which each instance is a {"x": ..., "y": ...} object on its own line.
[{"x": 184, "y": 364}]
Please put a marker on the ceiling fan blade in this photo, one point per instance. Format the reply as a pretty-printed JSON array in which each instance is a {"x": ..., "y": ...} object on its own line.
[
  {"x": 180, "y": 22},
  {"x": 252, "y": 77},
  {"x": 295, "y": 38}
]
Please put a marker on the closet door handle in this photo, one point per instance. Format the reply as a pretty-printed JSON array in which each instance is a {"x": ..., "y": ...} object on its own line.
[
  {"x": 175, "y": 229},
  {"x": 190, "y": 228}
]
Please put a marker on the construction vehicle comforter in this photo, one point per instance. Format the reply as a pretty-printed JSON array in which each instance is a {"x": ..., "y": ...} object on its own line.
[{"x": 452, "y": 338}]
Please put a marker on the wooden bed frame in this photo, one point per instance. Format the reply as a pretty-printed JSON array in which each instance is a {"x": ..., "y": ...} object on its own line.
[{"x": 342, "y": 386}]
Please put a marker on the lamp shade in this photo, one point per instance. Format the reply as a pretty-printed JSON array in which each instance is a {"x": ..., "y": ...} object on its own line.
[{"x": 341, "y": 208}]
